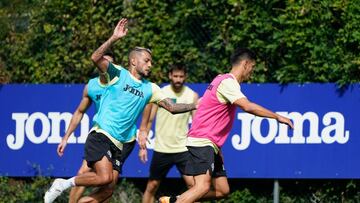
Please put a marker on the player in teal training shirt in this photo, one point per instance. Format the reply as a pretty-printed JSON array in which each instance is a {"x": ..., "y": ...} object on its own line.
[{"x": 124, "y": 99}]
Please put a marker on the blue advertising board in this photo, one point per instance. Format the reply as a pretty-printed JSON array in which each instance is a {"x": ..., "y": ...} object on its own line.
[{"x": 324, "y": 144}]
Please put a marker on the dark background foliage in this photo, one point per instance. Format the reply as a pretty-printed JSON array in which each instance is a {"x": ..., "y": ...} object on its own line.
[{"x": 296, "y": 41}]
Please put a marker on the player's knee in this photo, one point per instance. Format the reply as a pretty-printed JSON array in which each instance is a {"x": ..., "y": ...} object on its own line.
[
  {"x": 224, "y": 192},
  {"x": 152, "y": 186},
  {"x": 105, "y": 179}
]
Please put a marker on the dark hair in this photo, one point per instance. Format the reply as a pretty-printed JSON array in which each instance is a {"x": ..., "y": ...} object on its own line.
[
  {"x": 177, "y": 66},
  {"x": 110, "y": 53},
  {"x": 94, "y": 73},
  {"x": 241, "y": 54}
]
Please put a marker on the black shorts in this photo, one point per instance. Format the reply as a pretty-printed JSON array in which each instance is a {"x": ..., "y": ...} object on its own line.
[
  {"x": 128, "y": 147},
  {"x": 161, "y": 163},
  {"x": 202, "y": 159},
  {"x": 97, "y": 146}
]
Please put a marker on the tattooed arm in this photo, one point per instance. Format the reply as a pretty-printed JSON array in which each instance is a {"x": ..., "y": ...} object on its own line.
[
  {"x": 97, "y": 57},
  {"x": 173, "y": 108}
]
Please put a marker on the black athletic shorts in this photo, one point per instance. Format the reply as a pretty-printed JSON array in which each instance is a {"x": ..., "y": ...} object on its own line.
[
  {"x": 202, "y": 159},
  {"x": 161, "y": 163},
  {"x": 128, "y": 147},
  {"x": 97, "y": 146}
]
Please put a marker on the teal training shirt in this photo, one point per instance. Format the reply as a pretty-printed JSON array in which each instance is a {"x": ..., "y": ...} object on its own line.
[
  {"x": 123, "y": 101},
  {"x": 95, "y": 91}
]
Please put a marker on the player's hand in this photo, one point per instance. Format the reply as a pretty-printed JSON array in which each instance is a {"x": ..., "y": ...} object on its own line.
[
  {"x": 61, "y": 147},
  {"x": 142, "y": 139},
  {"x": 285, "y": 120},
  {"x": 120, "y": 29},
  {"x": 143, "y": 155}
]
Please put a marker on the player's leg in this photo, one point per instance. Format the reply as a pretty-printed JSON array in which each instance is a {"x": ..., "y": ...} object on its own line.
[
  {"x": 102, "y": 194},
  {"x": 189, "y": 181},
  {"x": 77, "y": 191},
  {"x": 220, "y": 186},
  {"x": 220, "y": 189},
  {"x": 199, "y": 165},
  {"x": 159, "y": 167},
  {"x": 102, "y": 174},
  {"x": 200, "y": 188},
  {"x": 105, "y": 192},
  {"x": 150, "y": 191},
  {"x": 99, "y": 156},
  {"x": 97, "y": 147},
  {"x": 180, "y": 160}
]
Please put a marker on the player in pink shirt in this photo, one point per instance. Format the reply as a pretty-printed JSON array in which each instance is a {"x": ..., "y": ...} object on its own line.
[{"x": 211, "y": 126}]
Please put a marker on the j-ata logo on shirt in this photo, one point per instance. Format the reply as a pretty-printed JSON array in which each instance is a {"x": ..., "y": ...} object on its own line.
[{"x": 133, "y": 91}]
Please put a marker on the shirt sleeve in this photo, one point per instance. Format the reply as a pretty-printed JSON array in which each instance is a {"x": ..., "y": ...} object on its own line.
[
  {"x": 229, "y": 90},
  {"x": 157, "y": 94},
  {"x": 113, "y": 73}
]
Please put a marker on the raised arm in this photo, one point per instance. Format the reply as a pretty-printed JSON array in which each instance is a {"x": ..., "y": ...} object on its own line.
[
  {"x": 173, "y": 108},
  {"x": 258, "y": 110},
  {"x": 97, "y": 57},
  {"x": 75, "y": 120}
]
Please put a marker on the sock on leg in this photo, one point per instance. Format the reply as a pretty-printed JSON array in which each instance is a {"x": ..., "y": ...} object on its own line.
[{"x": 72, "y": 182}]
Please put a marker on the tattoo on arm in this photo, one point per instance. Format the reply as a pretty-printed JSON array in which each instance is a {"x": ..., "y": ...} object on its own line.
[{"x": 173, "y": 108}]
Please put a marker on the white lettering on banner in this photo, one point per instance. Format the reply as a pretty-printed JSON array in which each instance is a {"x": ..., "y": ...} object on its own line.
[
  {"x": 331, "y": 133},
  {"x": 333, "y": 129},
  {"x": 17, "y": 141},
  {"x": 50, "y": 129},
  {"x": 29, "y": 128}
]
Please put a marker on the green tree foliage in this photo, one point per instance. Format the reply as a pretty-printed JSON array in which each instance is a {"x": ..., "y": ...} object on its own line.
[{"x": 296, "y": 41}]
